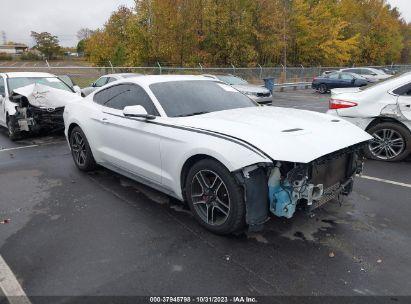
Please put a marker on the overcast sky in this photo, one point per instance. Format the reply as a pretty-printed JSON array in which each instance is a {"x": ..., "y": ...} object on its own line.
[{"x": 65, "y": 18}]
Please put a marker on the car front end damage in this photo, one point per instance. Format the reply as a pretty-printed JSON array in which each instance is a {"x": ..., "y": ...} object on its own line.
[
  {"x": 33, "y": 119},
  {"x": 284, "y": 187}
]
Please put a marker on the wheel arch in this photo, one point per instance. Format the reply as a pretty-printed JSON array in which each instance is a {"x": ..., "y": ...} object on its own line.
[
  {"x": 188, "y": 164},
  {"x": 71, "y": 127},
  {"x": 382, "y": 119}
]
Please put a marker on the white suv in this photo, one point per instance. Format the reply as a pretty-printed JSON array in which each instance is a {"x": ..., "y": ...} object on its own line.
[{"x": 383, "y": 110}]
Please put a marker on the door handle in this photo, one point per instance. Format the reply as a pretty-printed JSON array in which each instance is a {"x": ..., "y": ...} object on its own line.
[{"x": 104, "y": 120}]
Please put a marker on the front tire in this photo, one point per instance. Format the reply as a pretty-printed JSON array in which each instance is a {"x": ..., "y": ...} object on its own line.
[
  {"x": 392, "y": 142},
  {"x": 215, "y": 198},
  {"x": 80, "y": 150},
  {"x": 11, "y": 128}
]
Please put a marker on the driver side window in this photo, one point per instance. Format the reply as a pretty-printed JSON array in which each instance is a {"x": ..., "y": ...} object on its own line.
[
  {"x": 2, "y": 87},
  {"x": 404, "y": 90}
]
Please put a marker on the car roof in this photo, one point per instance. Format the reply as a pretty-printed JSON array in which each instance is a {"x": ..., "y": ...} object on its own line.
[
  {"x": 121, "y": 74},
  {"x": 28, "y": 74},
  {"x": 150, "y": 79}
]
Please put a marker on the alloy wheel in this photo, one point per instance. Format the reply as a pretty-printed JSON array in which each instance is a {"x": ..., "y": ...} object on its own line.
[
  {"x": 387, "y": 144},
  {"x": 78, "y": 147},
  {"x": 210, "y": 197}
]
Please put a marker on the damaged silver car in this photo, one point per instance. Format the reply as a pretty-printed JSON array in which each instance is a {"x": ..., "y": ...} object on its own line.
[
  {"x": 384, "y": 111},
  {"x": 30, "y": 102}
]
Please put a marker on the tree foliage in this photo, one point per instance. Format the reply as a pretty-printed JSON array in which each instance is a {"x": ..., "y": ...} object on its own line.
[
  {"x": 46, "y": 43},
  {"x": 251, "y": 32}
]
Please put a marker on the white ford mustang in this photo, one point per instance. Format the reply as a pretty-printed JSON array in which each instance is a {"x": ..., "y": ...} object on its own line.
[{"x": 206, "y": 143}]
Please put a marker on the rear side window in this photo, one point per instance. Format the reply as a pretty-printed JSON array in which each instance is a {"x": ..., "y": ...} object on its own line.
[
  {"x": 123, "y": 95},
  {"x": 346, "y": 77},
  {"x": 2, "y": 87},
  {"x": 100, "y": 82},
  {"x": 333, "y": 76},
  {"x": 404, "y": 90}
]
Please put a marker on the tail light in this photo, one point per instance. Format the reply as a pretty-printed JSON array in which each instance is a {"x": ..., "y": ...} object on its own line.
[{"x": 335, "y": 104}]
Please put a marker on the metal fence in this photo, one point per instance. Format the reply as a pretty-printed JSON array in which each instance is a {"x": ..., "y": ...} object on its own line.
[{"x": 84, "y": 75}]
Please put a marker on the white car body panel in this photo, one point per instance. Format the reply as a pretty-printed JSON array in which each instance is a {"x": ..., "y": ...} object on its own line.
[
  {"x": 156, "y": 150},
  {"x": 376, "y": 101},
  {"x": 281, "y": 132}
]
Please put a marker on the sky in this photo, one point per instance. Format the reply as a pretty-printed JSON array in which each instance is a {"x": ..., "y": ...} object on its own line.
[{"x": 65, "y": 18}]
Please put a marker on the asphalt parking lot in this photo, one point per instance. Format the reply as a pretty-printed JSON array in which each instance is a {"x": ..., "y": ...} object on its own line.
[{"x": 76, "y": 234}]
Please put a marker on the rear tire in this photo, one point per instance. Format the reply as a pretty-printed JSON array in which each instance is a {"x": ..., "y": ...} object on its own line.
[
  {"x": 80, "y": 150},
  {"x": 392, "y": 142},
  {"x": 215, "y": 198},
  {"x": 322, "y": 88}
]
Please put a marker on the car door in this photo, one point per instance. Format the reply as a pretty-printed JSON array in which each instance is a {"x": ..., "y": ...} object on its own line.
[
  {"x": 131, "y": 144},
  {"x": 404, "y": 100},
  {"x": 333, "y": 81},
  {"x": 346, "y": 80},
  {"x": 2, "y": 101}
]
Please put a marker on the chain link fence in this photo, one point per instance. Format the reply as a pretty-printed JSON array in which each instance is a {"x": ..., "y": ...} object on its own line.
[{"x": 85, "y": 75}]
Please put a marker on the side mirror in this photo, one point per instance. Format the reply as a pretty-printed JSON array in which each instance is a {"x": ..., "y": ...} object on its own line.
[
  {"x": 373, "y": 74},
  {"x": 93, "y": 85},
  {"x": 137, "y": 111},
  {"x": 77, "y": 89}
]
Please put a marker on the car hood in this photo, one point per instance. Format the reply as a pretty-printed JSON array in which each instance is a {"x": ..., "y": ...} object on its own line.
[
  {"x": 42, "y": 96},
  {"x": 283, "y": 134},
  {"x": 251, "y": 88}
]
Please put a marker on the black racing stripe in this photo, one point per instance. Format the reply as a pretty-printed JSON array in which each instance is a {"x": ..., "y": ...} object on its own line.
[{"x": 207, "y": 132}]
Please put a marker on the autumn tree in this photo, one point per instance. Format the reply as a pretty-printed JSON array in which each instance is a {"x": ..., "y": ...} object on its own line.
[{"x": 251, "y": 32}]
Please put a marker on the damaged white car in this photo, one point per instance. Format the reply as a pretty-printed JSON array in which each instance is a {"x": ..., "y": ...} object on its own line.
[
  {"x": 205, "y": 143},
  {"x": 384, "y": 111},
  {"x": 30, "y": 102}
]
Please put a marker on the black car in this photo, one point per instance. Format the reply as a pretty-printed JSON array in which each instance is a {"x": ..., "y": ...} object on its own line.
[{"x": 324, "y": 83}]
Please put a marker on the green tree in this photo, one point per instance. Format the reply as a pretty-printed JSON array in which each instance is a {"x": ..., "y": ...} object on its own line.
[{"x": 46, "y": 43}]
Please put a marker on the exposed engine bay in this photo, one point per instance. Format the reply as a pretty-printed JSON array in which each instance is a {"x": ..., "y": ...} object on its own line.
[
  {"x": 39, "y": 107},
  {"x": 287, "y": 186}
]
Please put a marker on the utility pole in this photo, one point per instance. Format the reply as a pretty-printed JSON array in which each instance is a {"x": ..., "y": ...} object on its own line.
[{"x": 4, "y": 37}]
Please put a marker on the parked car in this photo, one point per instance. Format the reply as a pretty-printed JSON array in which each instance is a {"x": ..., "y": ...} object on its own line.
[
  {"x": 205, "y": 143},
  {"x": 337, "y": 80},
  {"x": 384, "y": 111},
  {"x": 371, "y": 74},
  {"x": 103, "y": 80},
  {"x": 257, "y": 93},
  {"x": 31, "y": 102}
]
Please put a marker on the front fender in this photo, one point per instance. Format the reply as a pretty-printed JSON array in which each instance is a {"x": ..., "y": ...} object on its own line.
[{"x": 175, "y": 153}]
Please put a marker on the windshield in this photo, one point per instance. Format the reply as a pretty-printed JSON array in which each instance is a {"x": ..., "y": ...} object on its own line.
[
  {"x": 192, "y": 97},
  {"x": 54, "y": 82},
  {"x": 232, "y": 80}
]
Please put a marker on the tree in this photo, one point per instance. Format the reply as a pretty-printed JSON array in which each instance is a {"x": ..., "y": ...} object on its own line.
[
  {"x": 84, "y": 33},
  {"x": 46, "y": 43},
  {"x": 251, "y": 32}
]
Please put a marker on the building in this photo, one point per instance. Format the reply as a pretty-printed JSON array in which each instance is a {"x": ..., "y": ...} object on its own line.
[{"x": 13, "y": 49}]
